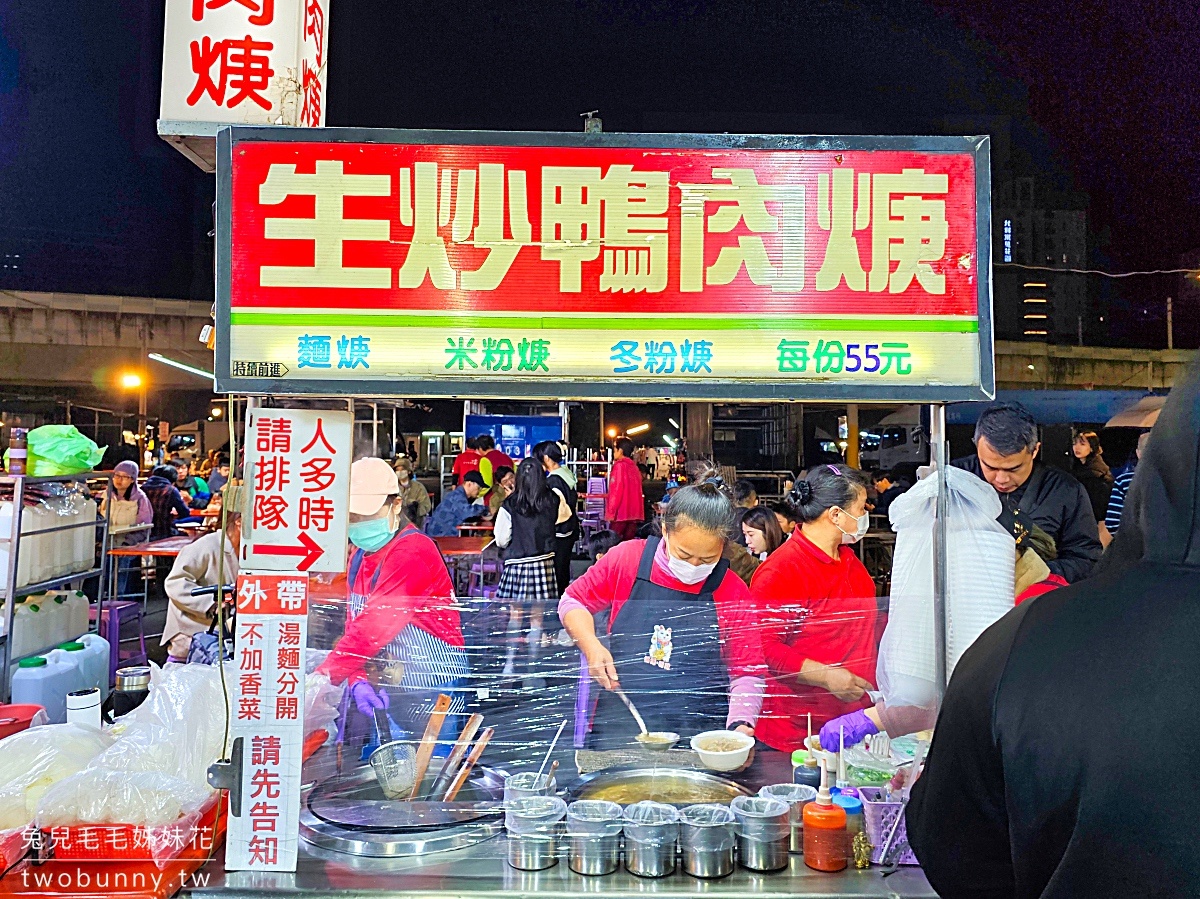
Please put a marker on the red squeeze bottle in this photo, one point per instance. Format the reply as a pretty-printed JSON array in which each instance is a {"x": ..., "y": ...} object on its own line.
[{"x": 825, "y": 846}]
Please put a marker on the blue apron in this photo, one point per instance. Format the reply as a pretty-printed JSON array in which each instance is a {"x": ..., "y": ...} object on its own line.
[
  {"x": 666, "y": 645},
  {"x": 431, "y": 665}
]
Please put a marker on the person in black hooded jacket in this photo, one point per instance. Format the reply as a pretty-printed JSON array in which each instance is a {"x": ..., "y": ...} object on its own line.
[{"x": 1067, "y": 721}]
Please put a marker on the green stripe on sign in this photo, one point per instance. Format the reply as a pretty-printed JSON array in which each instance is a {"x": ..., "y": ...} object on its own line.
[{"x": 410, "y": 319}]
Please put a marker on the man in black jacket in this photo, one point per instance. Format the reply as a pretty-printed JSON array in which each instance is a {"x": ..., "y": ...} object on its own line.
[
  {"x": 1006, "y": 449},
  {"x": 1068, "y": 718}
]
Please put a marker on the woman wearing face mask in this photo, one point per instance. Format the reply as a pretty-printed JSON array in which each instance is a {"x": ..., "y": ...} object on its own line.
[
  {"x": 414, "y": 498},
  {"x": 403, "y": 642},
  {"x": 683, "y": 635},
  {"x": 819, "y": 610}
]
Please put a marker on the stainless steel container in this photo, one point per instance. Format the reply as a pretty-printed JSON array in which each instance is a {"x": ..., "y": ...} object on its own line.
[
  {"x": 708, "y": 863},
  {"x": 533, "y": 825},
  {"x": 532, "y": 852},
  {"x": 763, "y": 832},
  {"x": 649, "y": 859},
  {"x": 796, "y": 796},
  {"x": 761, "y": 855},
  {"x": 594, "y": 831},
  {"x": 651, "y": 838},
  {"x": 707, "y": 839}
]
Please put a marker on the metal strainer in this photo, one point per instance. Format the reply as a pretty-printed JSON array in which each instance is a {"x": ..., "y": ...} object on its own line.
[{"x": 394, "y": 764}]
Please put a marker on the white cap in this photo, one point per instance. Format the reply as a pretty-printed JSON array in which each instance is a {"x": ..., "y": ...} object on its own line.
[{"x": 372, "y": 481}]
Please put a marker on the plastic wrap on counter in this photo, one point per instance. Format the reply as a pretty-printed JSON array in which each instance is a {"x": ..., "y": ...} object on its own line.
[{"x": 651, "y": 823}]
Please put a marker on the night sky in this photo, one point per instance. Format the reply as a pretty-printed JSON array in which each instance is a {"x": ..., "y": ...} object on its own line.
[{"x": 1095, "y": 98}]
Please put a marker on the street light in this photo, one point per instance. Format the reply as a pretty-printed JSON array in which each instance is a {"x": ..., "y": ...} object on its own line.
[
  {"x": 132, "y": 380},
  {"x": 216, "y": 411},
  {"x": 638, "y": 429},
  {"x": 612, "y": 432}
]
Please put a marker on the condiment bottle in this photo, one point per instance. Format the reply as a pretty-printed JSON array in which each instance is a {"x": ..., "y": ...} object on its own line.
[
  {"x": 855, "y": 822},
  {"x": 805, "y": 770},
  {"x": 825, "y": 844},
  {"x": 18, "y": 451}
]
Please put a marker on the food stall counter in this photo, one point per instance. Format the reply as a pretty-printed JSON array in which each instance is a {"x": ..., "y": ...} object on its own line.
[{"x": 481, "y": 870}]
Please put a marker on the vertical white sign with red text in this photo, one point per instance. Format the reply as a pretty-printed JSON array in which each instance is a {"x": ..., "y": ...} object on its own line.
[
  {"x": 271, "y": 634},
  {"x": 252, "y": 62},
  {"x": 298, "y": 471}
]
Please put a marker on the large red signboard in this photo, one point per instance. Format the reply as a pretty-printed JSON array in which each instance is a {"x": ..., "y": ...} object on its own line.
[{"x": 406, "y": 256}]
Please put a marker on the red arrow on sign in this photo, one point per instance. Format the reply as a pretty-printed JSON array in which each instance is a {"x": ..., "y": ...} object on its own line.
[{"x": 309, "y": 548}]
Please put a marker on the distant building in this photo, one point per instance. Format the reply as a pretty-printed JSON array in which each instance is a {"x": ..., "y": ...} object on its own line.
[{"x": 1035, "y": 227}]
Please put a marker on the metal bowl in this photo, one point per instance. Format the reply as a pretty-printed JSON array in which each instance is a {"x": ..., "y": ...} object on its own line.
[
  {"x": 657, "y": 741},
  {"x": 672, "y": 786}
]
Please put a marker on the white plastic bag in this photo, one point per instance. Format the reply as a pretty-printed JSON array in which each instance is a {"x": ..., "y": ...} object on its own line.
[
  {"x": 35, "y": 759},
  {"x": 180, "y": 727},
  {"x": 122, "y": 797},
  {"x": 980, "y": 562}
]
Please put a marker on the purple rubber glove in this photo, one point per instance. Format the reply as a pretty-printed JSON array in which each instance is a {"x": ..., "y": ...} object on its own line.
[
  {"x": 857, "y": 726},
  {"x": 367, "y": 699}
]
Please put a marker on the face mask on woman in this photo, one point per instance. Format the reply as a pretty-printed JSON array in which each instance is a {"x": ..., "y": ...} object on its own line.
[
  {"x": 372, "y": 534},
  {"x": 686, "y": 572},
  {"x": 862, "y": 522}
]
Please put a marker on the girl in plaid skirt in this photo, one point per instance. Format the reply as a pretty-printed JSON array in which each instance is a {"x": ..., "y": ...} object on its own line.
[{"x": 525, "y": 533}]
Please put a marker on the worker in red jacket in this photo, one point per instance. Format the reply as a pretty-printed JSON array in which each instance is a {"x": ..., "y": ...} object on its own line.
[
  {"x": 466, "y": 461},
  {"x": 626, "y": 506},
  {"x": 403, "y": 643},
  {"x": 818, "y": 610}
]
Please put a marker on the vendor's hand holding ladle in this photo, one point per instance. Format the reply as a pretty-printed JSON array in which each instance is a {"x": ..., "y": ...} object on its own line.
[{"x": 601, "y": 666}]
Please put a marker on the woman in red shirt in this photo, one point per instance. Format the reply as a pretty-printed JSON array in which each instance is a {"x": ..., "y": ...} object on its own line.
[
  {"x": 403, "y": 643},
  {"x": 682, "y": 636},
  {"x": 819, "y": 610}
]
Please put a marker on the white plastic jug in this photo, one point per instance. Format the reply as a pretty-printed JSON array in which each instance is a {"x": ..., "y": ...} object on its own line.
[
  {"x": 29, "y": 565},
  {"x": 75, "y": 606},
  {"x": 73, "y": 656},
  {"x": 84, "y": 537},
  {"x": 96, "y": 662},
  {"x": 30, "y": 628},
  {"x": 45, "y": 681}
]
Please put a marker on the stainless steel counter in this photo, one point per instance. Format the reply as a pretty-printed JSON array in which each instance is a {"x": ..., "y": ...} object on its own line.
[{"x": 481, "y": 871}]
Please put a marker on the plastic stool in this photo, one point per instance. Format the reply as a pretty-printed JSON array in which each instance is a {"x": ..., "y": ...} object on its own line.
[
  {"x": 111, "y": 618},
  {"x": 479, "y": 572}
]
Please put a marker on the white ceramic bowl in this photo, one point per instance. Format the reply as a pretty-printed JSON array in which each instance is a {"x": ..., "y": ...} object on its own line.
[{"x": 729, "y": 760}]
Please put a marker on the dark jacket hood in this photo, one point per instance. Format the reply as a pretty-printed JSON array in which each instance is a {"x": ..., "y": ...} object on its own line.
[
  {"x": 1161, "y": 521},
  {"x": 158, "y": 481}
]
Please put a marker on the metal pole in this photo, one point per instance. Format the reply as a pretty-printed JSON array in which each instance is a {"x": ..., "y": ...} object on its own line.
[
  {"x": 603, "y": 436},
  {"x": 1170, "y": 323},
  {"x": 374, "y": 429},
  {"x": 142, "y": 423},
  {"x": 852, "y": 438},
  {"x": 14, "y": 549},
  {"x": 937, "y": 440},
  {"x": 396, "y": 450}
]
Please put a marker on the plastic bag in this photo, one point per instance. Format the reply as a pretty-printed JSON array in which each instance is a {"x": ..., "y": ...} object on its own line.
[
  {"x": 980, "y": 570},
  {"x": 147, "y": 799},
  {"x": 60, "y": 450},
  {"x": 36, "y": 759},
  {"x": 180, "y": 727}
]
